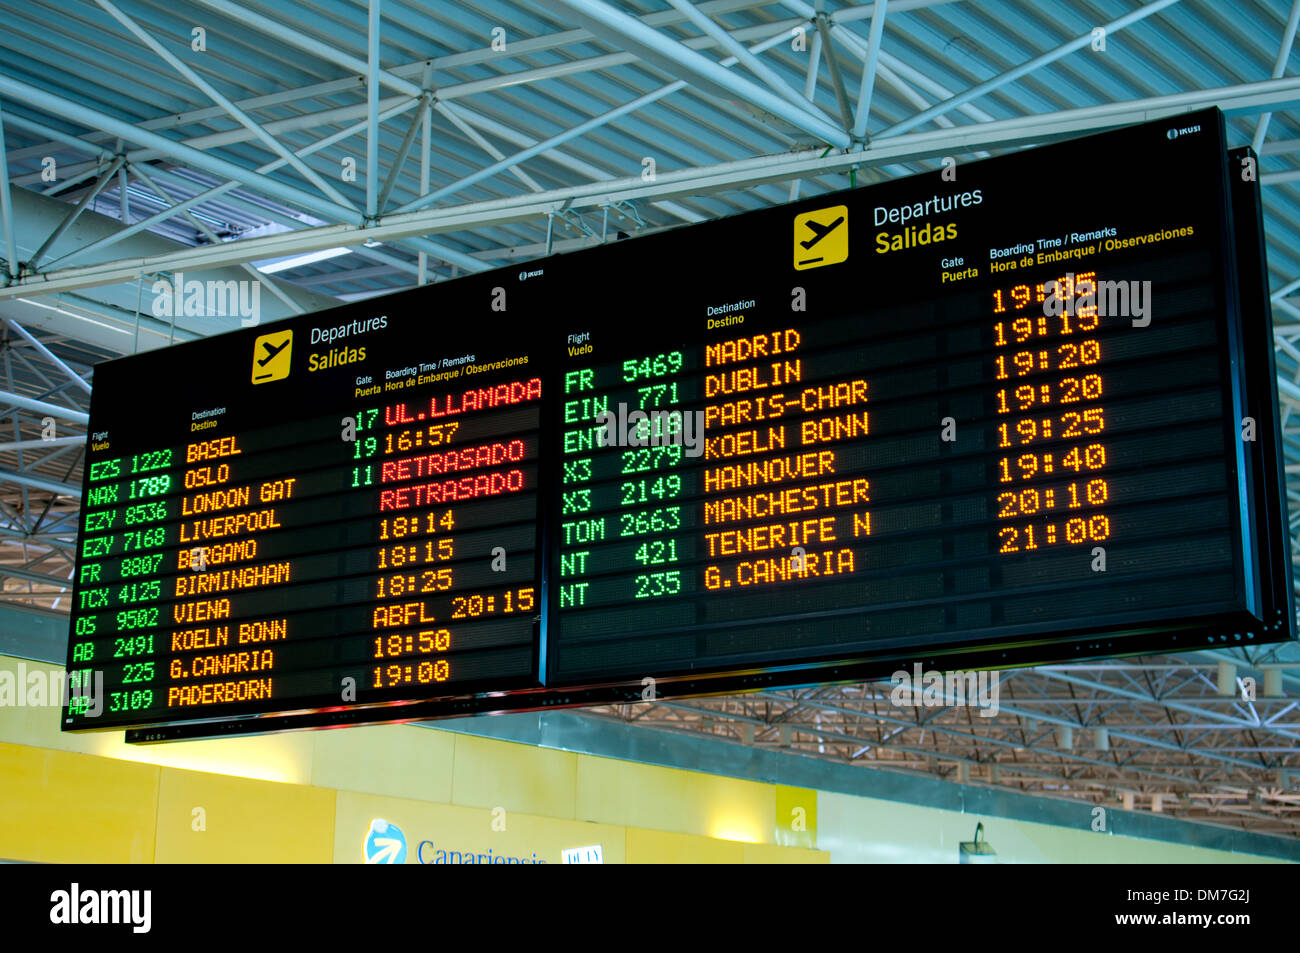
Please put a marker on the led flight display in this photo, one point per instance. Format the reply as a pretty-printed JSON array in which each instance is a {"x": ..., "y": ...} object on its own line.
[{"x": 1018, "y": 415}]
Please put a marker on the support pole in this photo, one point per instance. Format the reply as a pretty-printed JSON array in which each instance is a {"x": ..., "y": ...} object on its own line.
[
  {"x": 372, "y": 111},
  {"x": 7, "y": 205},
  {"x": 869, "y": 71}
]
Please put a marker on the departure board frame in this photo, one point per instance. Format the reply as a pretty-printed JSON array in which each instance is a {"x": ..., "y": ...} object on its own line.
[
  {"x": 603, "y": 302},
  {"x": 1273, "y": 564},
  {"x": 1246, "y": 361}
]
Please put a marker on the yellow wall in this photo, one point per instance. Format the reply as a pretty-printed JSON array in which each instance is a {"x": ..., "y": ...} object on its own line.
[
  {"x": 311, "y": 796},
  {"x": 62, "y": 806},
  {"x": 57, "y": 807},
  {"x": 216, "y": 819}
]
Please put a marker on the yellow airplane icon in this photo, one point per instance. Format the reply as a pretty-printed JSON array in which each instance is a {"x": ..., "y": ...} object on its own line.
[
  {"x": 821, "y": 237},
  {"x": 271, "y": 356}
]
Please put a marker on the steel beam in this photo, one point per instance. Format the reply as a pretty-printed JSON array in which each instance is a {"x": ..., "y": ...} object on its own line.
[
  {"x": 438, "y": 250},
  {"x": 217, "y": 97},
  {"x": 21, "y": 520},
  {"x": 426, "y": 134},
  {"x": 404, "y": 150},
  {"x": 1013, "y": 74},
  {"x": 7, "y": 205},
  {"x": 89, "y": 171},
  {"x": 38, "y": 443},
  {"x": 1279, "y": 178},
  {"x": 57, "y": 136},
  {"x": 29, "y": 576},
  {"x": 43, "y": 539},
  {"x": 123, "y": 197},
  {"x": 1279, "y": 69},
  {"x": 1008, "y": 706},
  {"x": 510, "y": 134},
  {"x": 212, "y": 140},
  {"x": 197, "y": 116},
  {"x": 42, "y": 407},
  {"x": 302, "y": 41},
  {"x": 475, "y": 137},
  {"x": 1244, "y": 98},
  {"x": 40, "y": 483},
  {"x": 372, "y": 110},
  {"x": 399, "y": 78},
  {"x": 220, "y": 167},
  {"x": 216, "y": 191},
  {"x": 203, "y": 229},
  {"x": 837, "y": 78},
  {"x": 49, "y": 355},
  {"x": 809, "y": 90},
  {"x": 92, "y": 118},
  {"x": 580, "y": 36},
  {"x": 869, "y": 70},
  {"x": 709, "y": 27},
  {"x": 655, "y": 47},
  {"x": 457, "y": 60},
  {"x": 1222, "y": 719},
  {"x": 572, "y": 133},
  {"x": 75, "y": 212}
]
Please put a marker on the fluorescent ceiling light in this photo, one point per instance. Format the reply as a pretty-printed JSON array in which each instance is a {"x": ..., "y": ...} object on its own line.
[
  {"x": 72, "y": 314},
  {"x": 373, "y": 293},
  {"x": 271, "y": 266}
]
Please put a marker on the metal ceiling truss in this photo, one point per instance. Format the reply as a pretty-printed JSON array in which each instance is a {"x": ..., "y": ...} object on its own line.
[
  {"x": 1149, "y": 734},
  {"x": 40, "y": 465},
  {"x": 467, "y": 156}
]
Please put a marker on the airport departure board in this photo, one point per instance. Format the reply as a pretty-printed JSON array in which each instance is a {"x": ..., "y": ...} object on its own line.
[
  {"x": 334, "y": 510},
  {"x": 1017, "y": 412}
]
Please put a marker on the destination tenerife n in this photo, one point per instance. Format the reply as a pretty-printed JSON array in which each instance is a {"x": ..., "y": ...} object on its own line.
[{"x": 1019, "y": 413}]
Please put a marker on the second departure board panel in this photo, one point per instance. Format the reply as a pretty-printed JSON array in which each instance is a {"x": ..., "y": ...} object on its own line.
[{"x": 929, "y": 414}]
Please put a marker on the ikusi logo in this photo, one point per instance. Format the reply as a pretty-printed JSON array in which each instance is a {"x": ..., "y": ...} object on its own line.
[{"x": 132, "y": 907}]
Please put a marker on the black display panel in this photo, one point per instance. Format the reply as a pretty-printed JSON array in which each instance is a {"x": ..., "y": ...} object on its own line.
[
  {"x": 904, "y": 449},
  {"x": 301, "y": 516},
  {"x": 1016, "y": 416}
]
